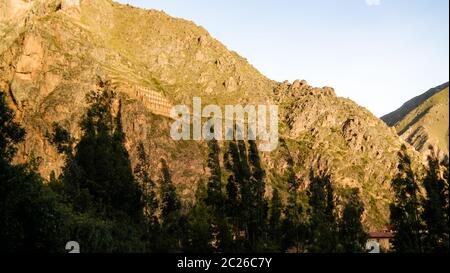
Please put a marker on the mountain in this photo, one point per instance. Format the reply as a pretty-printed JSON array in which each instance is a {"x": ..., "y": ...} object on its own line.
[
  {"x": 423, "y": 121},
  {"x": 52, "y": 53}
]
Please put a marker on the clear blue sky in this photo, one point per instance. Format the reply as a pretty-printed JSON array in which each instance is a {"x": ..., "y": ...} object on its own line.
[{"x": 379, "y": 53}]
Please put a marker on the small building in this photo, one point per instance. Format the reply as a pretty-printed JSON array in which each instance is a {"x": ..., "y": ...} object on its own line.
[{"x": 383, "y": 238}]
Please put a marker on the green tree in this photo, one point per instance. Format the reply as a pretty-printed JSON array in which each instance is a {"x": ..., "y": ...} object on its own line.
[
  {"x": 324, "y": 233},
  {"x": 11, "y": 133},
  {"x": 259, "y": 207},
  {"x": 198, "y": 236},
  {"x": 445, "y": 167},
  {"x": 245, "y": 190},
  {"x": 294, "y": 225},
  {"x": 97, "y": 176},
  {"x": 102, "y": 156},
  {"x": 214, "y": 196},
  {"x": 234, "y": 203},
  {"x": 31, "y": 217},
  {"x": 150, "y": 200},
  {"x": 170, "y": 210},
  {"x": 216, "y": 200},
  {"x": 352, "y": 235},
  {"x": 70, "y": 185},
  {"x": 274, "y": 228},
  {"x": 435, "y": 216},
  {"x": 97, "y": 181},
  {"x": 405, "y": 209}
]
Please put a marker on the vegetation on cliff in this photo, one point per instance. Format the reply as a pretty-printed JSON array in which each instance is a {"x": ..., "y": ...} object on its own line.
[{"x": 106, "y": 207}]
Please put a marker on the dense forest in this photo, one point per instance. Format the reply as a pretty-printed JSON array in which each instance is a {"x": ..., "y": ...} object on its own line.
[{"x": 102, "y": 202}]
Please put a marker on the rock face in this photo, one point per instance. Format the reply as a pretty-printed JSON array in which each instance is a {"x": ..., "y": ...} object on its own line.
[
  {"x": 423, "y": 121},
  {"x": 15, "y": 9},
  {"x": 50, "y": 59},
  {"x": 12, "y": 9},
  {"x": 331, "y": 133},
  {"x": 70, "y": 4},
  {"x": 52, "y": 55}
]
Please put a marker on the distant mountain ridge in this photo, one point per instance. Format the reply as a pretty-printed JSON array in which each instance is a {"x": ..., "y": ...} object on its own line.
[
  {"x": 423, "y": 120},
  {"x": 394, "y": 117}
]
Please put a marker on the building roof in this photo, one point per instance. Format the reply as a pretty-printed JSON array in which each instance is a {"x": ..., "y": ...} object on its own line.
[{"x": 381, "y": 235}]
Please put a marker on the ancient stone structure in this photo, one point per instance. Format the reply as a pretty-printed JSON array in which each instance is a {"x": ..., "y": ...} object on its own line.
[{"x": 153, "y": 100}]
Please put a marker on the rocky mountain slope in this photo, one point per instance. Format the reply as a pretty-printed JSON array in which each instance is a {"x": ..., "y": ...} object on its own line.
[
  {"x": 423, "y": 121},
  {"x": 53, "y": 51}
]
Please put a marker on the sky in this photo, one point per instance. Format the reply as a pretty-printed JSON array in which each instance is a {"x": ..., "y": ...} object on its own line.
[{"x": 379, "y": 53}]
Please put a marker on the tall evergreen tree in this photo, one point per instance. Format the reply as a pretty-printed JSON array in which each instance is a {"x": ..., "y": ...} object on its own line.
[
  {"x": 352, "y": 235},
  {"x": 294, "y": 224},
  {"x": 274, "y": 227},
  {"x": 215, "y": 199},
  {"x": 436, "y": 220},
  {"x": 245, "y": 190},
  {"x": 245, "y": 171},
  {"x": 214, "y": 196},
  {"x": 233, "y": 202},
  {"x": 97, "y": 179},
  {"x": 246, "y": 206},
  {"x": 405, "y": 209},
  {"x": 31, "y": 217},
  {"x": 150, "y": 200},
  {"x": 71, "y": 183},
  {"x": 99, "y": 171},
  {"x": 445, "y": 166},
  {"x": 198, "y": 236},
  {"x": 170, "y": 210},
  {"x": 143, "y": 177},
  {"x": 324, "y": 234},
  {"x": 259, "y": 206}
]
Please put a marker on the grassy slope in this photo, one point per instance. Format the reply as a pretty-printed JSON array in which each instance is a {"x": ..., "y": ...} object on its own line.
[
  {"x": 396, "y": 116},
  {"x": 172, "y": 55},
  {"x": 433, "y": 116}
]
